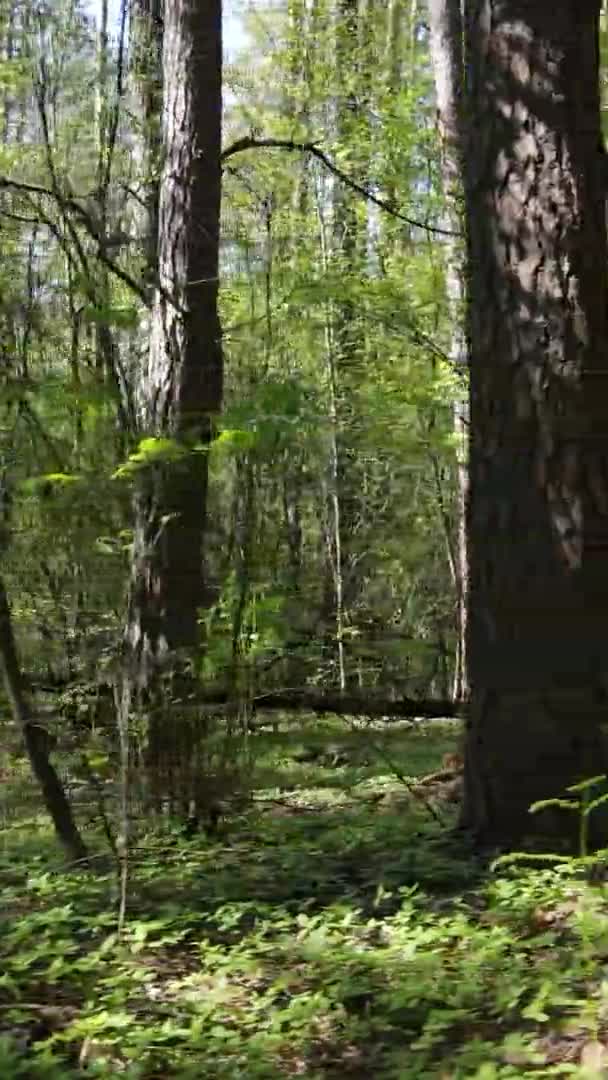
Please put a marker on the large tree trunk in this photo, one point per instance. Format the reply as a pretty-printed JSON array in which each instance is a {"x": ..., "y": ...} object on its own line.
[
  {"x": 181, "y": 387},
  {"x": 445, "y": 21},
  {"x": 538, "y": 509}
]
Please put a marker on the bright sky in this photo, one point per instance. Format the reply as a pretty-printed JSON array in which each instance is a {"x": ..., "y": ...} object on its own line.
[{"x": 233, "y": 32}]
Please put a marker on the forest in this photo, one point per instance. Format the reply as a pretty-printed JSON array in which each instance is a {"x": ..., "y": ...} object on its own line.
[{"x": 304, "y": 539}]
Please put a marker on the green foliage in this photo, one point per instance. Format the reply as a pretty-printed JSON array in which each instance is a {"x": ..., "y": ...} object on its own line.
[
  {"x": 150, "y": 452},
  {"x": 335, "y": 926},
  {"x": 296, "y": 298},
  {"x": 46, "y": 485},
  {"x": 325, "y": 933}
]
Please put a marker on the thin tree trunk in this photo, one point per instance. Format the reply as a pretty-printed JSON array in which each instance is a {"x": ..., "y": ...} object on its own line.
[
  {"x": 345, "y": 345},
  {"x": 538, "y": 326},
  {"x": 147, "y": 52},
  {"x": 104, "y": 342},
  {"x": 446, "y": 46},
  {"x": 334, "y": 540},
  {"x": 394, "y": 21},
  {"x": 36, "y": 741},
  {"x": 244, "y": 533}
]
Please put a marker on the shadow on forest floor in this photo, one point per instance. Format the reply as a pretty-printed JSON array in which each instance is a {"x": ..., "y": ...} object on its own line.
[
  {"x": 331, "y": 820},
  {"x": 332, "y": 931}
]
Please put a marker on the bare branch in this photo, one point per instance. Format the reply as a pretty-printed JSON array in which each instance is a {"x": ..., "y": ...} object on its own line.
[
  {"x": 249, "y": 142},
  {"x": 67, "y": 202}
]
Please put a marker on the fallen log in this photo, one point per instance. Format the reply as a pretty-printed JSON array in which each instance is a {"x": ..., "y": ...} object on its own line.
[{"x": 369, "y": 706}]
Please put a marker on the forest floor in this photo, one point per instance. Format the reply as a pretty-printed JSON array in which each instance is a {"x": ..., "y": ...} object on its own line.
[{"x": 335, "y": 929}]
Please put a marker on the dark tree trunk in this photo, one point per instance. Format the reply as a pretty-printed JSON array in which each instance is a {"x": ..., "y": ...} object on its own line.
[
  {"x": 36, "y": 741},
  {"x": 181, "y": 387},
  {"x": 538, "y": 324}
]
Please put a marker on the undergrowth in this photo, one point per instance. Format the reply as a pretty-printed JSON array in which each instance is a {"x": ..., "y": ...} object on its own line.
[{"x": 334, "y": 930}]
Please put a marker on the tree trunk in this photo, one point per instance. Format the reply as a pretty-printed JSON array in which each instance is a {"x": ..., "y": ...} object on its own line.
[
  {"x": 445, "y": 22},
  {"x": 105, "y": 345},
  {"x": 180, "y": 392},
  {"x": 182, "y": 385},
  {"x": 346, "y": 258},
  {"x": 147, "y": 51},
  {"x": 36, "y": 741},
  {"x": 538, "y": 325}
]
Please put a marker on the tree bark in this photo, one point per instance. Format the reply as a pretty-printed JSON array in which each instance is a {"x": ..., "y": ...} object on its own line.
[
  {"x": 446, "y": 46},
  {"x": 538, "y": 327},
  {"x": 35, "y": 739},
  {"x": 181, "y": 388},
  {"x": 104, "y": 341},
  {"x": 147, "y": 53}
]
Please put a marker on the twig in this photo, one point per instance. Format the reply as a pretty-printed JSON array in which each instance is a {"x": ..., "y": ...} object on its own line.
[{"x": 67, "y": 202}]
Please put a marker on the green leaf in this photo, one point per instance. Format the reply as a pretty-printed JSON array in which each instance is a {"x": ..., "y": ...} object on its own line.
[
  {"x": 561, "y": 804},
  {"x": 584, "y": 785},
  {"x": 235, "y": 439},
  {"x": 151, "y": 451}
]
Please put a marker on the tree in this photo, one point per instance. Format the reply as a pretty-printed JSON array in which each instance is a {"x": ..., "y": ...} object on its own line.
[
  {"x": 377, "y": 299},
  {"x": 36, "y": 740},
  {"x": 147, "y": 51},
  {"x": 538, "y": 325},
  {"x": 78, "y": 304},
  {"x": 180, "y": 388},
  {"x": 345, "y": 340},
  {"x": 445, "y": 24}
]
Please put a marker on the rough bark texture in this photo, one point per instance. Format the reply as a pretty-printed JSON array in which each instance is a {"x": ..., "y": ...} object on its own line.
[
  {"x": 446, "y": 46},
  {"x": 182, "y": 385},
  {"x": 538, "y": 510}
]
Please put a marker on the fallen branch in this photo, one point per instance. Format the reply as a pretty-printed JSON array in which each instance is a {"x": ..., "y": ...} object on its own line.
[
  {"x": 331, "y": 701},
  {"x": 307, "y": 699},
  {"x": 356, "y": 705}
]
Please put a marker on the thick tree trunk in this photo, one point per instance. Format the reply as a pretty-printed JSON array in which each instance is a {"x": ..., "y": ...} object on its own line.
[
  {"x": 180, "y": 391},
  {"x": 182, "y": 385},
  {"x": 538, "y": 324},
  {"x": 36, "y": 741}
]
